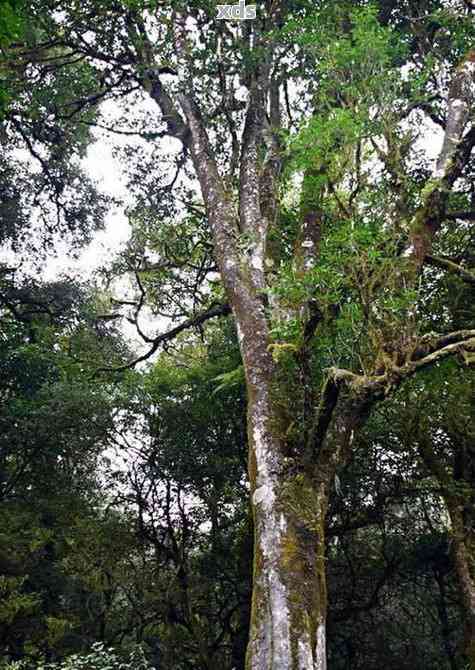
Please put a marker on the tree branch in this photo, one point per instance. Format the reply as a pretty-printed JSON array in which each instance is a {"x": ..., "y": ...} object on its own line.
[
  {"x": 462, "y": 216},
  {"x": 328, "y": 401},
  {"x": 163, "y": 338},
  {"x": 453, "y": 157},
  {"x": 431, "y": 350},
  {"x": 176, "y": 126},
  {"x": 452, "y": 267},
  {"x": 459, "y": 106}
]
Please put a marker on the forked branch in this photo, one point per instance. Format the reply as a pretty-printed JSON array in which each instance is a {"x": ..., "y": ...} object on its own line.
[{"x": 169, "y": 335}]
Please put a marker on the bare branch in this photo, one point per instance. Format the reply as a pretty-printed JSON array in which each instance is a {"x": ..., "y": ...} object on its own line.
[{"x": 176, "y": 126}]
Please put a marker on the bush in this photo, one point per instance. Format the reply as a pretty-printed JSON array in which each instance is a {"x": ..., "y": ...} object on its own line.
[{"x": 99, "y": 658}]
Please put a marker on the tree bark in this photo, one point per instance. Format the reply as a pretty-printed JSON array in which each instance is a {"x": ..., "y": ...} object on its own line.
[
  {"x": 289, "y": 592},
  {"x": 289, "y": 595},
  {"x": 464, "y": 555}
]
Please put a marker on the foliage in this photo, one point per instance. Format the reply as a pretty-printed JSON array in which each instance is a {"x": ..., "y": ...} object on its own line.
[
  {"x": 99, "y": 658},
  {"x": 11, "y": 28}
]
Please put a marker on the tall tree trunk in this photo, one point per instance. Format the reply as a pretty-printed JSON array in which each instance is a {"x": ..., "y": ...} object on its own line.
[
  {"x": 289, "y": 594},
  {"x": 288, "y": 616}
]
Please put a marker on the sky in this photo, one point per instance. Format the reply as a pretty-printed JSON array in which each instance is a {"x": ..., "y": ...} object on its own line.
[{"x": 103, "y": 168}]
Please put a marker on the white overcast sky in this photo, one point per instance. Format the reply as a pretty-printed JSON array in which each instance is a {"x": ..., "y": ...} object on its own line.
[{"x": 105, "y": 170}]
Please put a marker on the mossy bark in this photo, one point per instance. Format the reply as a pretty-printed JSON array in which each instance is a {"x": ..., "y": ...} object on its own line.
[
  {"x": 289, "y": 589},
  {"x": 289, "y": 597},
  {"x": 287, "y": 630}
]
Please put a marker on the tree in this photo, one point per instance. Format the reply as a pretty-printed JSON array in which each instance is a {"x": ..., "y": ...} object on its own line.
[
  {"x": 391, "y": 569},
  {"x": 45, "y": 194},
  {"x": 447, "y": 454},
  {"x": 55, "y": 420},
  {"x": 11, "y": 27},
  {"x": 323, "y": 213},
  {"x": 186, "y": 489}
]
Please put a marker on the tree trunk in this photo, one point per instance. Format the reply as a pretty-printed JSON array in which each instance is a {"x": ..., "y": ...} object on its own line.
[
  {"x": 287, "y": 630},
  {"x": 289, "y": 591},
  {"x": 464, "y": 562},
  {"x": 460, "y": 508}
]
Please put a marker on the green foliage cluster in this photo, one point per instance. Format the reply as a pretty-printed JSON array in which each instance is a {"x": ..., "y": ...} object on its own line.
[
  {"x": 10, "y": 20},
  {"x": 359, "y": 82},
  {"x": 11, "y": 28},
  {"x": 99, "y": 658}
]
